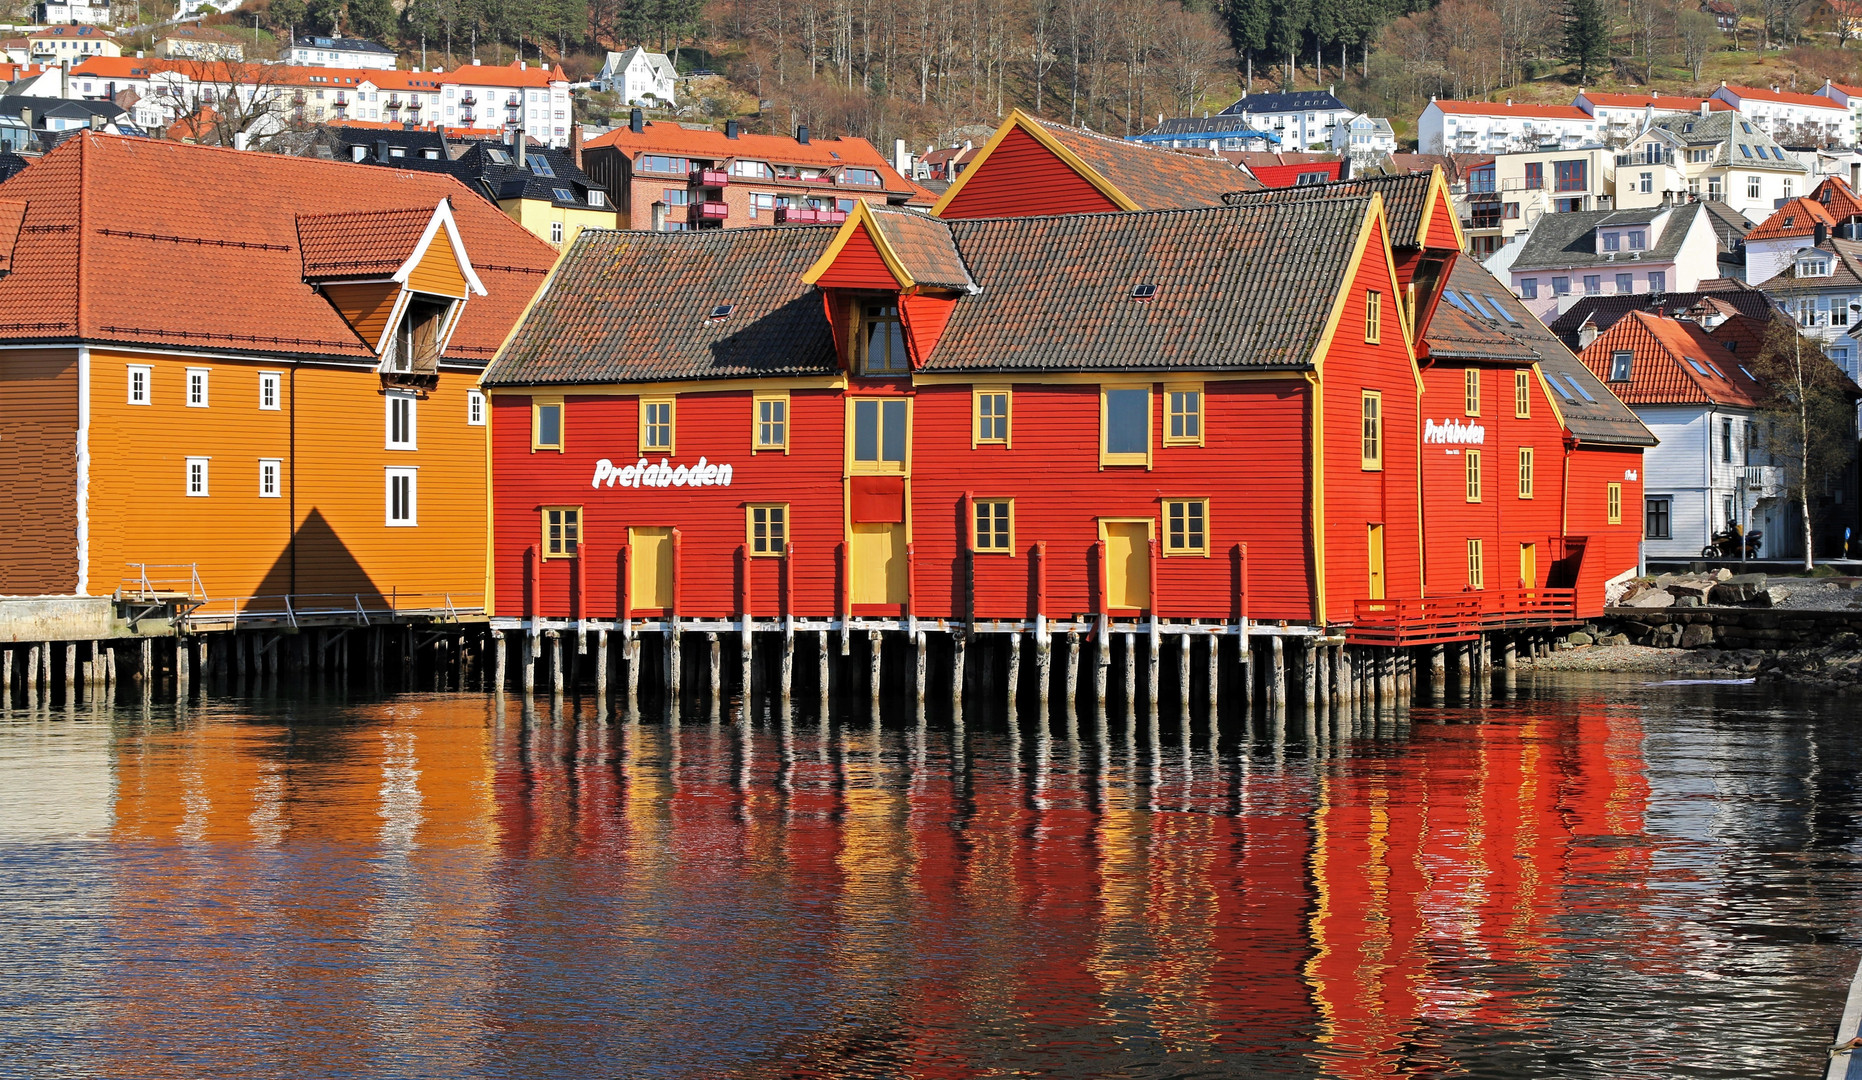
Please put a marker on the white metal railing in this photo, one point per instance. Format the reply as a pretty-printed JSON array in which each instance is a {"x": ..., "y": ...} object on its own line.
[
  {"x": 147, "y": 582},
  {"x": 363, "y": 609}
]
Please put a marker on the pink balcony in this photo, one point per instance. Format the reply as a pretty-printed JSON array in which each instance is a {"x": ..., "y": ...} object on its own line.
[
  {"x": 711, "y": 177},
  {"x": 708, "y": 211},
  {"x": 796, "y": 215}
]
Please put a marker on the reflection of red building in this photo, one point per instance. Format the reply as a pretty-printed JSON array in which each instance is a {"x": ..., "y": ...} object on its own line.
[{"x": 1441, "y": 872}]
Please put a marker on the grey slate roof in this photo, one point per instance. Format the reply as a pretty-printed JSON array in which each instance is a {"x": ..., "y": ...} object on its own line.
[
  {"x": 1561, "y": 241},
  {"x": 1406, "y": 197},
  {"x": 1466, "y": 334},
  {"x": 1294, "y": 101},
  {"x": 1727, "y": 130},
  {"x": 1207, "y": 127},
  {"x": 636, "y": 306},
  {"x": 1238, "y": 287}
]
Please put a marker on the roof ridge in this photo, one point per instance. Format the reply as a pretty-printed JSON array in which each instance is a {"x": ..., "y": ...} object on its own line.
[{"x": 1237, "y": 205}]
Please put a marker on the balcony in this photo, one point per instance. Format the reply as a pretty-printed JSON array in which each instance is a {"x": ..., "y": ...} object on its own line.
[
  {"x": 707, "y": 211},
  {"x": 1765, "y": 481},
  {"x": 468, "y": 98},
  {"x": 803, "y": 215},
  {"x": 710, "y": 177},
  {"x": 392, "y": 104},
  {"x": 414, "y": 104}
]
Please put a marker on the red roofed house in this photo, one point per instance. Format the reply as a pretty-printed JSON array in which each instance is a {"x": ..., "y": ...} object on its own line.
[
  {"x": 259, "y": 369},
  {"x": 1485, "y": 127},
  {"x": 1801, "y": 223},
  {"x": 1292, "y": 174},
  {"x": 1849, "y": 97},
  {"x": 1623, "y": 115},
  {"x": 1790, "y": 117},
  {"x": 669, "y": 177},
  {"x": 1701, "y": 401}
]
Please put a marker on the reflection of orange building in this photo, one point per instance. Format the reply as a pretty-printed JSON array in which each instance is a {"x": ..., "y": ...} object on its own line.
[{"x": 1441, "y": 872}]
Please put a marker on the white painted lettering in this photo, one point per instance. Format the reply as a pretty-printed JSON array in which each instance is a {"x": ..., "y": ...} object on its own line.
[
  {"x": 1453, "y": 432},
  {"x": 664, "y": 473},
  {"x": 604, "y": 470},
  {"x": 680, "y": 475}
]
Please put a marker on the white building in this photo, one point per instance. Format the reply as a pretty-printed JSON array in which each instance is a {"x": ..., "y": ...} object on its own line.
[
  {"x": 1652, "y": 249},
  {"x": 1791, "y": 117},
  {"x": 1364, "y": 137},
  {"x": 534, "y": 99},
  {"x": 66, "y": 11},
  {"x": 1850, "y": 98},
  {"x": 1302, "y": 119},
  {"x": 1723, "y": 156},
  {"x": 640, "y": 77},
  {"x": 70, "y": 44},
  {"x": 1623, "y": 116},
  {"x": 1484, "y": 127},
  {"x": 342, "y": 52}
]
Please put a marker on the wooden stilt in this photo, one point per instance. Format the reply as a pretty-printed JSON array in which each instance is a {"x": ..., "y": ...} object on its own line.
[
  {"x": 1276, "y": 674},
  {"x": 32, "y": 677},
  {"x": 148, "y": 662},
  {"x": 530, "y": 662},
  {"x": 874, "y": 647},
  {"x": 746, "y": 651},
  {"x": 109, "y": 670},
  {"x": 1214, "y": 673},
  {"x": 1044, "y": 674},
  {"x": 1321, "y": 673},
  {"x": 918, "y": 676},
  {"x": 1154, "y": 655},
  {"x": 715, "y": 668},
  {"x": 497, "y": 662},
  {"x": 1102, "y": 670},
  {"x": 788, "y": 660},
  {"x": 1309, "y": 674},
  {"x": 6, "y": 678},
  {"x": 1509, "y": 658},
  {"x": 960, "y": 641},
  {"x": 1131, "y": 676},
  {"x": 1073, "y": 672},
  {"x": 674, "y": 665},
  {"x": 823, "y": 675},
  {"x": 1183, "y": 677},
  {"x": 601, "y": 665},
  {"x": 1244, "y": 659},
  {"x": 181, "y": 667},
  {"x": 1015, "y": 678}
]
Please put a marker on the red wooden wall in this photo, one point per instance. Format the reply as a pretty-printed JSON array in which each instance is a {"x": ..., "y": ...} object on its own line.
[
  {"x": 1609, "y": 549},
  {"x": 1021, "y": 177}
]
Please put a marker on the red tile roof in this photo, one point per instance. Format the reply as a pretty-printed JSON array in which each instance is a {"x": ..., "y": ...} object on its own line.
[
  {"x": 1664, "y": 370},
  {"x": 1799, "y": 217},
  {"x": 1495, "y": 108},
  {"x": 12, "y": 213},
  {"x": 359, "y": 243},
  {"x": 712, "y": 144},
  {"x": 509, "y": 75},
  {"x": 1783, "y": 97},
  {"x": 1276, "y": 176},
  {"x": 1837, "y": 197},
  {"x": 1637, "y": 101},
  {"x": 159, "y": 243}
]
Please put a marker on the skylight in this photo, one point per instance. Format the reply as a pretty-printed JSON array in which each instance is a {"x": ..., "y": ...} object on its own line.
[
  {"x": 1746, "y": 150},
  {"x": 1579, "y": 387},
  {"x": 1695, "y": 364},
  {"x": 1449, "y": 295},
  {"x": 1717, "y": 371},
  {"x": 723, "y": 311},
  {"x": 1748, "y": 372},
  {"x": 541, "y": 167},
  {"x": 1507, "y": 315},
  {"x": 498, "y": 155},
  {"x": 563, "y": 194},
  {"x": 1562, "y": 392},
  {"x": 1777, "y": 153},
  {"x": 1478, "y": 306},
  {"x": 1143, "y": 292},
  {"x": 1747, "y": 128}
]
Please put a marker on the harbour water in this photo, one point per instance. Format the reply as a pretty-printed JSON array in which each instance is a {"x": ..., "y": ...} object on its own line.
[{"x": 1595, "y": 877}]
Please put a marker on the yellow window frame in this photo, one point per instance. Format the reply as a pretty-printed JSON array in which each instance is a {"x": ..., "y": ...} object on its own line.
[
  {"x": 1525, "y": 472},
  {"x": 545, "y": 549},
  {"x": 859, "y": 468},
  {"x": 750, "y": 538},
  {"x": 1522, "y": 394},
  {"x": 1613, "y": 503},
  {"x": 1373, "y": 316},
  {"x": 1471, "y": 391},
  {"x": 977, "y": 438},
  {"x": 672, "y": 425},
  {"x": 1169, "y": 549},
  {"x": 1007, "y": 547},
  {"x": 1171, "y": 390},
  {"x": 537, "y": 405},
  {"x": 1371, "y": 430},
  {"x": 1477, "y": 564},
  {"x": 757, "y": 443},
  {"x": 1473, "y": 469},
  {"x": 1106, "y": 457}
]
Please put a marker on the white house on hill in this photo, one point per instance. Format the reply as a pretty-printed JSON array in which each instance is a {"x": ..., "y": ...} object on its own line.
[{"x": 640, "y": 77}]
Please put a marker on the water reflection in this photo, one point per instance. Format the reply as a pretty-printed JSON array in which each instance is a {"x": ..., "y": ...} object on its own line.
[{"x": 1580, "y": 880}]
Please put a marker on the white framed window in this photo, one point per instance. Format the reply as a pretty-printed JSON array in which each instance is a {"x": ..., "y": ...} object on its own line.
[
  {"x": 270, "y": 472},
  {"x": 197, "y": 477},
  {"x": 400, "y": 422},
  {"x": 555, "y": 232},
  {"x": 197, "y": 387},
  {"x": 475, "y": 408},
  {"x": 403, "y": 496},
  {"x": 269, "y": 398},
  {"x": 139, "y": 375}
]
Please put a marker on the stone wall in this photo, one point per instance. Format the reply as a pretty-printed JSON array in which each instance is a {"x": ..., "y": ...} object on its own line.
[{"x": 1731, "y": 627}]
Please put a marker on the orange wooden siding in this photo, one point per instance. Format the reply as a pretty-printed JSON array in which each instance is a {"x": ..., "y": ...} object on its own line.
[
  {"x": 438, "y": 271},
  {"x": 365, "y": 306},
  {"x": 38, "y": 457},
  {"x": 140, "y": 511}
]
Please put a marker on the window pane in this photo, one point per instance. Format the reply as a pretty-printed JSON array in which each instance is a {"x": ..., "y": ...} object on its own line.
[
  {"x": 1194, "y": 517},
  {"x": 549, "y": 425},
  {"x": 866, "y": 431},
  {"x": 893, "y": 431},
  {"x": 1127, "y": 420}
]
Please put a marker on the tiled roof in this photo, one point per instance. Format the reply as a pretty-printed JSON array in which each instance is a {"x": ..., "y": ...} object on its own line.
[
  {"x": 636, "y": 306},
  {"x": 1638, "y": 101},
  {"x": 1205, "y": 126},
  {"x": 508, "y": 75},
  {"x": 1845, "y": 270},
  {"x": 1289, "y": 175},
  {"x": 924, "y": 246},
  {"x": 1494, "y": 108},
  {"x": 1661, "y": 373},
  {"x": 12, "y": 213},
  {"x": 711, "y": 144},
  {"x": 1799, "y": 217},
  {"x": 1837, "y": 197},
  {"x": 1154, "y": 178},
  {"x": 1603, "y": 312},
  {"x": 1566, "y": 241},
  {"x": 1237, "y": 287},
  {"x": 1507, "y": 332},
  {"x": 359, "y": 243},
  {"x": 1783, "y": 97},
  {"x": 1406, "y": 198},
  {"x": 139, "y": 241}
]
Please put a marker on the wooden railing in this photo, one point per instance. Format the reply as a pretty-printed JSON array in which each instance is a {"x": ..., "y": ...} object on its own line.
[{"x": 1458, "y": 617}]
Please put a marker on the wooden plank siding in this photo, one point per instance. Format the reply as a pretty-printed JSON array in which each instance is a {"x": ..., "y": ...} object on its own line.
[
  {"x": 39, "y": 458},
  {"x": 1356, "y": 498},
  {"x": 859, "y": 266},
  {"x": 438, "y": 271},
  {"x": 1609, "y": 549},
  {"x": 1024, "y": 177},
  {"x": 365, "y": 306},
  {"x": 337, "y": 481},
  {"x": 1502, "y": 520}
]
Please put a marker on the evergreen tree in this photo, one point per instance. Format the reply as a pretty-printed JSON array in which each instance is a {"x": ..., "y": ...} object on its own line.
[{"x": 1587, "y": 37}]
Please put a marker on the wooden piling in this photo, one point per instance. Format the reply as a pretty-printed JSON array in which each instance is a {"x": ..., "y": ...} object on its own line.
[
  {"x": 1509, "y": 658},
  {"x": 1244, "y": 658},
  {"x": 673, "y": 664},
  {"x": 1151, "y": 660},
  {"x": 1183, "y": 677},
  {"x": 109, "y": 670},
  {"x": 1276, "y": 674},
  {"x": 32, "y": 676},
  {"x": 822, "y": 673},
  {"x": 147, "y": 672},
  {"x": 788, "y": 660},
  {"x": 530, "y": 662},
  {"x": 715, "y": 668},
  {"x": 1131, "y": 676},
  {"x": 874, "y": 647},
  {"x": 1044, "y": 671},
  {"x": 1309, "y": 674},
  {"x": 497, "y": 662},
  {"x": 1215, "y": 679},
  {"x": 601, "y": 665},
  {"x": 1015, "y": 677},
  {"x": 918, "y": 678},
  {"x": 1102, "y": 669},
  {"x": 181, "y": 667},
  {"x": 960, "y": 640},
  {"x": 6, "y": 678},
  {"x": 1073, "y": 672}
]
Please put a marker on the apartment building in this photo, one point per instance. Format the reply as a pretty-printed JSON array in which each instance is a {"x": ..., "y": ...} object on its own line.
[
  {"x": 1504, "y": 197},
  {"x": 1604, "y": 252},
  {"x": 1799, "y": 119},
  {"x": 1723, "y": 156},
  {"x": 1485, "y": 127},
  {"x": 1623, "y": 116},
  {"x": 1300, "y": 119}
]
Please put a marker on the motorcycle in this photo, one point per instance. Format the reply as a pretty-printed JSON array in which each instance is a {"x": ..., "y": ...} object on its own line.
[{"x": 1727, "y": 544}]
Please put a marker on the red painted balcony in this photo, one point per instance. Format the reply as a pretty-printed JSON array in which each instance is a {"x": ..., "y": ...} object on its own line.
[
  {"x": 711, "y": 177},
  {"x": 1459, "y": 616},
  {"x": 797, "y": 215},
  {"x": 832, "y": 217},
  {"x": 708, "y": 211}
]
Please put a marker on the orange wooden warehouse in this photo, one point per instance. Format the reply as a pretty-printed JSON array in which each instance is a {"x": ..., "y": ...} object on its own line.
[{"x": 254, "y": 374}]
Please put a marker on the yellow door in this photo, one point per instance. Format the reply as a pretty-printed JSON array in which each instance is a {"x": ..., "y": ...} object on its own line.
[
  {"x": 1376, "y": 548},
  {"x": 1529, "y": 566},
  {"x": 1128, "y": 563},
  {"x": 649, "y": 582},
  {"x": 878, "y": 563}
]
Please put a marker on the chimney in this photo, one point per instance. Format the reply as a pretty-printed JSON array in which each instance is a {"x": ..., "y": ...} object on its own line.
[
  {"x": 544, "y": 65},
  {"x": 138, "y": 54},
  {"x": 1586, "y": 334},
  {"x": 637, "y": 122},
  {"x": 1822, "y": 233},
  {"x": 475, "y": 61},
  {"x": 1705, "y": 107},
  {"x": 381, "y": 150},
  {"x": 801, "y": 134},
  {"x": 520, "y": 148},
  {"x": 1509, "y": 103},
  {"x": 901, "y": 158},
  {"x": 732, "y": 129},
  {"x": 575, "y": 143},
  {"x": 240, "y": 140},
  {"x": 523, "y": 65}
]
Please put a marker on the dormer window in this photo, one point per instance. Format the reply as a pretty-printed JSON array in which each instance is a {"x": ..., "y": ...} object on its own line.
[
  {"x": 1638, "y": 240},
  {"x": 1814, "y": 266},
  {"x": 1612, "y": 241},
  {"x": 882, "y": 340},
  {"x": 415, "y": 347}
]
